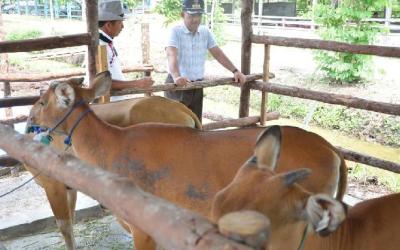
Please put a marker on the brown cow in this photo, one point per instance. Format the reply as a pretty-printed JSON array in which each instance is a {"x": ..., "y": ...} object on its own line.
[
  {"x": 123, "y": 113},
  {"x": 370, "y": 225},
  {"x": 180, "y": 164}
]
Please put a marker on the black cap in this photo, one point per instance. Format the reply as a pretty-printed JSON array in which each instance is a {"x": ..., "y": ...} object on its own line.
[{"x": 193, "y": 6}]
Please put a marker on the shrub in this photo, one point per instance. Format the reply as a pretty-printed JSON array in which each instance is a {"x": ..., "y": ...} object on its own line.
[
  {"x": 22, "y": 35},
  {"x": 346, "y": 24}
]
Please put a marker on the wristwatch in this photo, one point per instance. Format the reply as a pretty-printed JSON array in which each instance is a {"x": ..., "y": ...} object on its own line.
[{"x": 235, "y": 70}]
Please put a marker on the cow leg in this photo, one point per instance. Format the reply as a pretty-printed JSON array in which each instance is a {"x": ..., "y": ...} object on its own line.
[
  {"x": 124, "y": 224},
  {"x": 71, "y": 196},
  {"x": 141, "y": 240},
  {"x": 57, "y": 194}
]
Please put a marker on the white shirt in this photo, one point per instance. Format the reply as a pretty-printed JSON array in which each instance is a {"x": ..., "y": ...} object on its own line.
[{"x": 114, "y": 64}]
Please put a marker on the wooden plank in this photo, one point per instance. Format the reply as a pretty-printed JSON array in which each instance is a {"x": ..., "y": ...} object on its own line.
[
  {"x": 247, "y": 31},
  {"x": 327, "y": 45},
  {"x": 102, "y": 65},
  {"x": 92, "y": 29},
  {"x": 7, "y": 161},
  {"x": 240, "y": 122},
  {"x": 18, "y": 101},
  {"x": 370, "y": 160},
  {"x": 177, "y": 228},
  {"x": 345, "y": 100},
  {"x": 45, "y": 43},
  {"x": 264, "y": 96},
  {"x": 71, "y": 73},
  {"x": 11, "y": 121},
  {"x": 196, "y": 85}
]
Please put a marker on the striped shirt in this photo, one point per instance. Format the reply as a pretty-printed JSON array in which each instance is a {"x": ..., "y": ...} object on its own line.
[{"x": 192, "y": 49}]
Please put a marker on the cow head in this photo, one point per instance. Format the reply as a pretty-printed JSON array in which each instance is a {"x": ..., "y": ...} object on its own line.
[
  {"x": 61, "y": 96},
  {"x": 278, "y": 196}
]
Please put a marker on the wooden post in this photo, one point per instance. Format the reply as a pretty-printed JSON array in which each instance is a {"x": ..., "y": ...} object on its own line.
[
  {"x": 4, "y": 67},
  {"x": 264, "y": 97},
  {"x": 145, "y": 43},
  {"x": 247, "y": 31},
  {"x": 102, "y": 65},
  {"x": 146, "y": 48},
  {"x": 92, "y": 29}
]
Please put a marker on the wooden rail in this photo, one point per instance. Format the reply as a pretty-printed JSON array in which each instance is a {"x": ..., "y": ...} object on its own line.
[
  {"x": 345, "y": 100},
  {"x": 45, "y": 43},
  {"x": 196, "y": 85},
  {"x": 172, "y": 227},
  {"x": 71, "y": 73},
  {"x": 327, "y": 45},
  {"x": 223, "y": 122}
]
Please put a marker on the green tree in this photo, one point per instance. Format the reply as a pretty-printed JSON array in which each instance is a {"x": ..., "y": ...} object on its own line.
[
  {"x": 346, "y": 24},
  {"x": 170, "y": 9}
]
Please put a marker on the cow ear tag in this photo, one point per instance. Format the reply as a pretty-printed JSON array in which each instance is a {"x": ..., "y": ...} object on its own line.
[{"x": 43, "y": 138}]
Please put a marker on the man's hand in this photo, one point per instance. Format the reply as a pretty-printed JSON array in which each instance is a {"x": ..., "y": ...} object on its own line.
[
  {"x": 144, "y": 82},
  {"x": 181, "y": 81},
  {"x": 239, "y": 77}
]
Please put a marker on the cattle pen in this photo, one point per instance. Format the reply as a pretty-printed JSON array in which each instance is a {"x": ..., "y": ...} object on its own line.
[{"x": 189, "y": 231}]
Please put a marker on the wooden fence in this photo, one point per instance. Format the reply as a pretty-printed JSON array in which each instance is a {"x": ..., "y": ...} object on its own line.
[
  {"x": 303, "y": 23},
  {"x": 346, "y": 100},
  {"x": 172, "y": 227}
]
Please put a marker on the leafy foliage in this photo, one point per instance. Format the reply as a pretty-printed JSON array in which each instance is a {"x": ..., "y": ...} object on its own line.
[
  {"x": 345, "y": 24},
  {"x": 171, "y": 9},
  {"x": 22, "y": 35}
]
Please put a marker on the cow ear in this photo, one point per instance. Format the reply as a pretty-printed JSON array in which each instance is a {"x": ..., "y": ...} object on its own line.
[
  {"x": 65, "y": 95},
  {"x": 77, "y": 81},
  {"x": 324, "y": 213},
  {"x": 101, "y": 84},
  {"x": 268, "y": 147}
]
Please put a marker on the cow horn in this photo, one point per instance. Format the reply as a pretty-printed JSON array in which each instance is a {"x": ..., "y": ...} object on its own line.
[{"x": 295, "y": 176}]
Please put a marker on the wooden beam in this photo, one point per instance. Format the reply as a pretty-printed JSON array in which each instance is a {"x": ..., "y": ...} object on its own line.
[
  {"x": 247, "y": 31},
  {"x": 240, "y": 122},
  {"x": 264, "y": 95},
  {"x": 370, "y": 160},
  {"x": 45, "y": 43},
  {"x": 93, "y": 31},
  {"x": 7, "y": 161},
  {"x": 345, "y": 100},
  {"x": 11, "y": 121},
  {"x": 177, "y": 228},
  {"x": 71, "y": 73},
  {"x": 327, "y": 45},
  {"x": 18, "y": 101},
  {"x": 196, "y": 85}
]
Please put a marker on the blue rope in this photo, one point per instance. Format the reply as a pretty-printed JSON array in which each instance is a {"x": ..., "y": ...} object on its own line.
[{"x": 68, "y": 140}]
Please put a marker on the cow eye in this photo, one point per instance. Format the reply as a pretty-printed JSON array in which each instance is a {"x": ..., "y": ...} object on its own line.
[{"x": 41, "y": 103}]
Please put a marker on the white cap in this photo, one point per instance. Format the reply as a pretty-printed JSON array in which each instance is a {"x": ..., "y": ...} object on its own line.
[{"x": 110, "y": 10}]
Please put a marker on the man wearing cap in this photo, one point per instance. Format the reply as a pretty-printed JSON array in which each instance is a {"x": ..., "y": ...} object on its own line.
[
  {"x": 111, "y": 18},
  {"x": 186, "y": 52}
]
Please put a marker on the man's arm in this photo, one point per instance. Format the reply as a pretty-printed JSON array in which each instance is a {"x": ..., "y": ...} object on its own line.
[
  {"x": 172, "y": 56},
  {"x": 220, "y": 56},
  {"x": 140, "y": 83}
]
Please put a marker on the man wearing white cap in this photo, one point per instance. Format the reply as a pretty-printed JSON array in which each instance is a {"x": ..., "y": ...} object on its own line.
[
  {"x": 111, "y": 17},
  {"x": 186, "y": 52}
]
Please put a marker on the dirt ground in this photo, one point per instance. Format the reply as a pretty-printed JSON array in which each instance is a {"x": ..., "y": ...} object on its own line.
[{"x": 291, "y": 66}]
